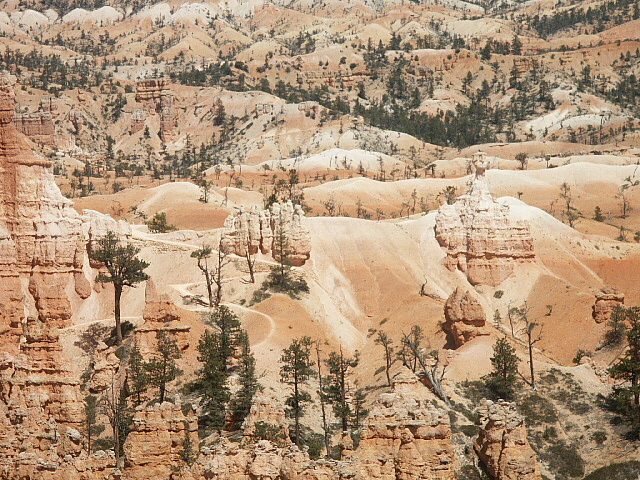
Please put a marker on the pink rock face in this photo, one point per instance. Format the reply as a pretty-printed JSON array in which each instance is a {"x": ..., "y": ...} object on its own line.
[
  {"x": 277, "y": 230},
  {"x": 157, "y": 99},
  {"x": 465, "y": 317},
  {"x": 41, "y": 253},
  {"x": 160, "y": 314},
  {"x": 607, "y": 300},
  {"x": 502, "y": 443},
  {"x": 40, "y": 233},
  {"x": 406, "y": 435},
  {"x": 478, "y": 235},
  {"x": 157, "y": 441}
]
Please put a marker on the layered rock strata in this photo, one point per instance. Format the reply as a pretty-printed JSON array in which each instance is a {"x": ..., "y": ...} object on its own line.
[
  {"x": 478, "y": 235},
  {"x": 607, "y": 300},
  {"x": 278, "y": 230},
  {"x": 502, "y": 443},
  {"x": 41, "y": 257},
  {"x": 162, "y": 437},
  {"x": 157, "y": 99},
  {"x": 405, "y": 436},
  {"x": 464, "y": 317},
  {"x": 160, "y": 315}
]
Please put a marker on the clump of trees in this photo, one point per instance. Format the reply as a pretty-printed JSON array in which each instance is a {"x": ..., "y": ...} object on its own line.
[{"x": 224, "y": 351}]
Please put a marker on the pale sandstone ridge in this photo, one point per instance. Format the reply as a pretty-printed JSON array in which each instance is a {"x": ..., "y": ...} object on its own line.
[
  {"x": 268, "y": 231},
  {"x": 607, "y": 300},
  {"x": 465, "y": 317},
  {"x": 478, "y": 235},
  {"x": 41, "y": 254},
  {"x": 157, "y": 442},
  {"x": 502, "y": 443}
]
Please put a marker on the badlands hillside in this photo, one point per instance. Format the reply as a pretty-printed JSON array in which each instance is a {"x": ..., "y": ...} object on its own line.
[{"x": 366, "y": 239}]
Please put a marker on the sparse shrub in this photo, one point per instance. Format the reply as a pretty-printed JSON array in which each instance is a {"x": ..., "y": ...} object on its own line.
[
  {"x": 617, "y": 471},
  {"x": 537, "y": 410},
  {"x": 159, "y": 224},
  {"x": 599, "y": 437}
]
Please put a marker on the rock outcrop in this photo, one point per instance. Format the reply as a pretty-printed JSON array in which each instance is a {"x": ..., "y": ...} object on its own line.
[
  {"x": 465, "y": 317},
  {"x": 274, "y": 231},
  {"x": 607, "y": 300},
  {"x": 160, "y": 315},
  {"x": 161, "y": 438},
  {"x": 478, "y": 235},
  {"x": 157, "y": 99},
  {"x": 502, "y": 443},
  {"x": 41, "y": 247},
  {"x": 406, "y": 435}
]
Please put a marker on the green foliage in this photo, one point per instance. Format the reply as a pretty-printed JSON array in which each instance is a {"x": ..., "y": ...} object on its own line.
[
  {"x": 617, "y": 471},
  {"x": 124, "y": 269},
  {"x": 137, "y": 376},
  {"x": 597, "y": 215},
  {"x": 504, "y": 377},
  {"x": 92, "y": 429},
  {"x": 617, "y": 327},
  {"x": 336, "y": 389},
  {"x": 211, "y": 382},
  {"x": 104, "y": 443},
  {"x": 269, "y": 431},
  {"x": 626, "y": 370},
  {"x": 537, "y": 409},
  {"x": 296, "y": 368},
  {"x": 283, "y": 280},
  {"x": 162, "y": 368},
  {"x": 159, "y": 224},
  {"x": 241, "y": 404},
  {"x": 579, "y": 354},
  {"x": 564, "y": 460},
  {"x": 189, "y": 453}
]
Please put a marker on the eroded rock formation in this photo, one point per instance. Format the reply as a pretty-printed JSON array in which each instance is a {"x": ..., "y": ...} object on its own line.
[
  {"x": 406, "y": 435},
  {"x": 162, "y": 437},
  {"x": 42, "y": 254},
  {"x": 465, "y": 317},
  {"x": 160, "y": 314},
  {"x": 478, "y": 235},
  {"x": 502, "y": 443},
  {"x": 157, "y": 99},
  {"x": 607, "y": 300},
  {"x": 274, "y": 231}
]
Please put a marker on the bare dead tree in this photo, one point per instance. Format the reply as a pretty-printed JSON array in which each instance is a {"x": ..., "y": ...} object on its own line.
[
  {"x": 429, "y": 363},
  {"x": 222, "y": 260},
  {"x": 533, "y": 337},
  {"x": 251, "y": 260},
  {"x": 325, "y": 427}
]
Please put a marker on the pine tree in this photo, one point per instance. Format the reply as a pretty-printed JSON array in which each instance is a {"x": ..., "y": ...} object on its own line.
[
  {"x": 211, "y": 381},
  {"x": 123, "y": 267},
  {"x": 502, "y": 380},
  {"x": 92, "y": 429},
  {"x": 386, "y": 343},
  {"x": 162, "y": 369},
  {"x": 336, "y": 387},
  {"x": 626, "y": 395},
  {"x": 296, "y": 368},
  {"x": 248, "y": 380},
  {"x": 137, "y": 377},
  {"x": 228, "y": 326}
]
